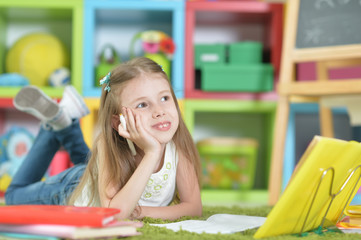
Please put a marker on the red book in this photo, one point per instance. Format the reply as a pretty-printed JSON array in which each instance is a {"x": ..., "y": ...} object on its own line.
[
  {"x": 56, "y": 214},
  {"x": 115, "y": 229}
]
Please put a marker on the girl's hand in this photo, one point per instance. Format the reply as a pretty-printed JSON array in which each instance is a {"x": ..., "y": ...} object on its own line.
[
  {"x": 136, "y": 213},
  {"x": 136, "y": 133}
]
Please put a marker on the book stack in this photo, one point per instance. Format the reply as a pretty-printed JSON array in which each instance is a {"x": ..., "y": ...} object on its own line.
[
  {"x": 354, "y": 214},
  {"x": 352, "y": 220},
  {"x": 54, "y": 221}
]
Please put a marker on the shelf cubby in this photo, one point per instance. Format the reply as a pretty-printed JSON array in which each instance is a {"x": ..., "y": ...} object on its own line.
[
  {"x": 233, "y": 118},
  {"x": 61, "y": 18},
  {"x": 240, "y": 21},
  {"x": 116, "y": 22}
]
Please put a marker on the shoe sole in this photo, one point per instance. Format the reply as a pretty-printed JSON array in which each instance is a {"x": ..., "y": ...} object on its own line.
[{"x": 33, "y": 101}]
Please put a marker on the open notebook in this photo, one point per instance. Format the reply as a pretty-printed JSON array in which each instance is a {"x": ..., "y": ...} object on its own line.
[{"x": 306, "y": 199}]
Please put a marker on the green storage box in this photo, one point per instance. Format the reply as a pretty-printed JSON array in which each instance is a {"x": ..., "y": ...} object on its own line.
[
  {"x": 228, "y": 163},
  {"x": 209, "y": 53},
  {"x": 245, "y": 53},
  {"x": 237, "y": 78}
]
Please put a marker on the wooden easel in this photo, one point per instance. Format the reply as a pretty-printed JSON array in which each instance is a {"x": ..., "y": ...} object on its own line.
[{"x": 289, "y": 88}]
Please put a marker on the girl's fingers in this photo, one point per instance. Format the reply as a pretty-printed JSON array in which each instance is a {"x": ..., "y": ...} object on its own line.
[
  {"x": 132, "y": 130},
  {"x": 125, "y": 131},
  {"x": 130, "y": 120},
  {"x": 122, "y": 132},
  {"x": 137, "y": 133}
]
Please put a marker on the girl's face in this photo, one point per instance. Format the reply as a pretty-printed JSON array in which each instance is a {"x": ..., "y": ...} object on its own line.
[{"x": 151, "y": 97}]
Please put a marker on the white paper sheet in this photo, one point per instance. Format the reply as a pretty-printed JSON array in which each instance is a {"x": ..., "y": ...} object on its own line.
[{"x": 218, "y": 223}]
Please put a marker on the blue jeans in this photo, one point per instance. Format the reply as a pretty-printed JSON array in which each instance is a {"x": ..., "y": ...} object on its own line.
[{"x": 27, "y": 188}]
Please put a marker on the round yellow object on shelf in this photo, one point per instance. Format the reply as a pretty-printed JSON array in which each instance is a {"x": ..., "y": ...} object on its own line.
[{"x": 36, "y": 56}]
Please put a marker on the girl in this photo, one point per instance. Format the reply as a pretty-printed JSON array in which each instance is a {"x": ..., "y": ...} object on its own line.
[{"x": 165, "y": 168}]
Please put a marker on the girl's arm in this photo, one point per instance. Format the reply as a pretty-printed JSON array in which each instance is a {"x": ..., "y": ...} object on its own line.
[
  {"x": 126, "y": 199},
  {"x": 189, "y": 193}
]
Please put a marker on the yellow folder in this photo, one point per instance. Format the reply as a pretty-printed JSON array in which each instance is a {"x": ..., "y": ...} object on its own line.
[{"x": 327, "y": 173}]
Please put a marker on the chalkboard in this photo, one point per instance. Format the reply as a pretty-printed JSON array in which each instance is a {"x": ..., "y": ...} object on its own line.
[{"x": 328, "y": 23}]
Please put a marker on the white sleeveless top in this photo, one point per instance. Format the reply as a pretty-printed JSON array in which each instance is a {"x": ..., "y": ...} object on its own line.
[{"x": 161, "y": 185}]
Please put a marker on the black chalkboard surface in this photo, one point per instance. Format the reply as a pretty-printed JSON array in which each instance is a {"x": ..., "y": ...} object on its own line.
[{"x": 328, "y": 23}]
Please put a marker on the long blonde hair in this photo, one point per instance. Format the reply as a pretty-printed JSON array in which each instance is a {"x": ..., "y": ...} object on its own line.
[{"x": 115, "y": 152}]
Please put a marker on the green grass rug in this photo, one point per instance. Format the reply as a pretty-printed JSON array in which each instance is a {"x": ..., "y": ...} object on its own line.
[{"x": 151, "y": 232}]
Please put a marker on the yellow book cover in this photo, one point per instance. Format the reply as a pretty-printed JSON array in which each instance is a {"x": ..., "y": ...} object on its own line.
[
  {"x": 293, "y": 212},
  {"x": 354, "y": 215}
]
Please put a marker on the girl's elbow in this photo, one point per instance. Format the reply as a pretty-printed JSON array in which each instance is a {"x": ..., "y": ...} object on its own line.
[
  {"x": 197, "y": 210},
  {"x": 124, "y": 214}
]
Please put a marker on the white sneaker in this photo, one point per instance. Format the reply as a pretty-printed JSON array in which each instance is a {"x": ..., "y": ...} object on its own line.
[
  {"x": 73, "y": 103},
  {"x": 32, "y": 100}
]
